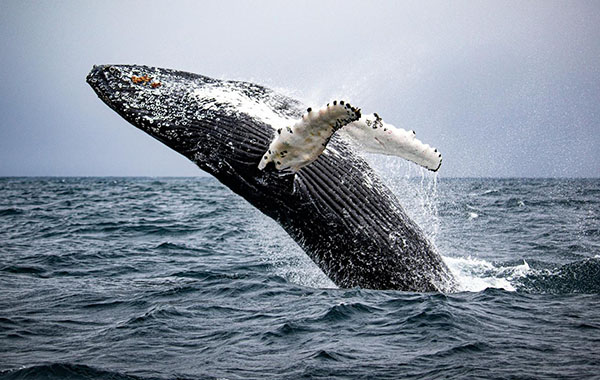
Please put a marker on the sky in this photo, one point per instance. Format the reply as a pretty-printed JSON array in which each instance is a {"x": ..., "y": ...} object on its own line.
[{"x": 502, "y": 89}]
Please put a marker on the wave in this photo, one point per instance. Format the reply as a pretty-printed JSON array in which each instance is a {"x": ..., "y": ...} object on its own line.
[
  {"x": 61, "y": 371},
  {"x": 156, "y": 314},
  {"x": 10, "y": 211},
  {"x": 344, "y": 311},
  {"x": 181, "y": 249},
  {"x": 24, "y": 269},
  {"x": 577, "y": 277},
  {"x": 64, "y": 371},
  {"x": 475, "y": 275}
]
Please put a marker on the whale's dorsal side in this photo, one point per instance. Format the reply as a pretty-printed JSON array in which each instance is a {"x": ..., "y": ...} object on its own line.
[{"x": 336, "y": 208}]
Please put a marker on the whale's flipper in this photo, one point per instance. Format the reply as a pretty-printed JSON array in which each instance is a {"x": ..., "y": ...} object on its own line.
[
  {"x": 336, "y": 208},
  {"x": 300, "y": 144},
  {"x": 373, "y": 135}
]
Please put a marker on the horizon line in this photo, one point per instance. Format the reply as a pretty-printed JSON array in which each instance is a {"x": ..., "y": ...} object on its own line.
[{"x": 210, "y": 176}]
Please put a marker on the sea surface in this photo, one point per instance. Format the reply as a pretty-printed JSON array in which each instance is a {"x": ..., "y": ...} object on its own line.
[{"x": 161, "y": 278}]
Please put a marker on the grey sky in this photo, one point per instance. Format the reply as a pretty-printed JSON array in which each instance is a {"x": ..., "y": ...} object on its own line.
[{"x": 501, "y": 88}]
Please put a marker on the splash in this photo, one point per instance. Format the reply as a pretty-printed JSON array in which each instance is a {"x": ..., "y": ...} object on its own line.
[
  {"x": 475, "y": 275},
  {"x": 417, "y": 190}
]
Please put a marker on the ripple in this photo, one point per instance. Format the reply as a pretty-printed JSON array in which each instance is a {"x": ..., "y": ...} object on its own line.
[
  {"x": 10, "y": 211},
  {"x": 343, "y": 311},
  {"x": 65, "y": 371},
  {"x": 24, "y": 269}
]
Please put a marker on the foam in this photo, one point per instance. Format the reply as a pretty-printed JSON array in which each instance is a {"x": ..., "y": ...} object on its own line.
[{"x": 475, "y": 275}]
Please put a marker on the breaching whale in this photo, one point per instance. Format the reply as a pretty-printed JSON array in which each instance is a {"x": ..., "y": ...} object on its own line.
[{"x": 332, "y": 204}]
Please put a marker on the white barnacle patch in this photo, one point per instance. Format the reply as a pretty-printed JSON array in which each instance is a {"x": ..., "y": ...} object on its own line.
[
  {"x": 300, "y": 144},
  {"x": 227, "y": 98},
  {"x": 373, "y": 135}
]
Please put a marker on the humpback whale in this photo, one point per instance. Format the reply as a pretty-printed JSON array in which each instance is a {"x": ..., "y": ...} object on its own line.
[{"x": 328, "y": 199}]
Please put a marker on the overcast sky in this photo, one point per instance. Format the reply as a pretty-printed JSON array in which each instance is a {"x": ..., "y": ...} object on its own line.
[{"x": 501, "y": 88}]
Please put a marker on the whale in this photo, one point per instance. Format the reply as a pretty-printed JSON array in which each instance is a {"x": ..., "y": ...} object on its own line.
[{"x": 335, "y": 207}]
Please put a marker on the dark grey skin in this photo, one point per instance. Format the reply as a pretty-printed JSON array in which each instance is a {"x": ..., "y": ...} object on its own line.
[{"x": 337, "y": 209}]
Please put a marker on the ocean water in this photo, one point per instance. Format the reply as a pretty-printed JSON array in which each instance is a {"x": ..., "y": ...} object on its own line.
[{"x": 160, "y": 278}]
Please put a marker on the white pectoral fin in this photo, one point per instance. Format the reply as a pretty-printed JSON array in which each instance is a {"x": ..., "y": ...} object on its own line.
[
  {"x": 300, "y": 144},
  {"x": 374, "y": 136}
]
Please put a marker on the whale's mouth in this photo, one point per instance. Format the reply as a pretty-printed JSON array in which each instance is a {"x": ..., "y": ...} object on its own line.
[
  {"x": 115, "y": 87},
  {"x": 103, "y": 80},
  {"x": 131, "y": 91}
]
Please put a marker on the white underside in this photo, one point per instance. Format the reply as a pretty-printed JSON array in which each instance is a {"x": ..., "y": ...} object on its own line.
[
  {"x": 372, "y": 135},
  {"x": 300, "y": 144}
]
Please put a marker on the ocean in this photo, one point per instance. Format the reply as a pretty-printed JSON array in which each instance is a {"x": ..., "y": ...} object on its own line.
[{"x": 162, "y": 278}]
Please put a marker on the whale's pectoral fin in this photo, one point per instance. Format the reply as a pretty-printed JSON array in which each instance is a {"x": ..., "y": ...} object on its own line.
[
  {"x": 373, "y": 135},
  {"x": 300, "y": 144}
]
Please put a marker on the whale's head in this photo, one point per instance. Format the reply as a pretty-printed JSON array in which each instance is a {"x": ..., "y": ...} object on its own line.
[
  {"x": 159, "y": 102},
  {"x": 202, "y": 118}
]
